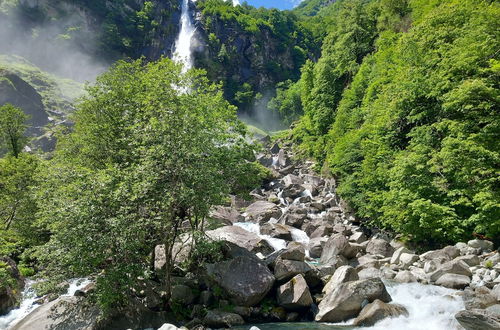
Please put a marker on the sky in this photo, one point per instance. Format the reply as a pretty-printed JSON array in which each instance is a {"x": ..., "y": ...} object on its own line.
[{"x": 280, "y": 4}]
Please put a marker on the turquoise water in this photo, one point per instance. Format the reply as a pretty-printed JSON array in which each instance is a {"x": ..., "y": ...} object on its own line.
[{"x": 294, "y": 326}]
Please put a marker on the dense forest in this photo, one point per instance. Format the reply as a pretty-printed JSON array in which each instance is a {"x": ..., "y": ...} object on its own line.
[{"x": 397, "y": 102}]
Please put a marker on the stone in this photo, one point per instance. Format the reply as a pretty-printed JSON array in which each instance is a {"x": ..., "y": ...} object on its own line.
[
  {"x": 358, "y": 237},
  {"x": 286, "y": 269},
  {"x": 407, "y": 259},
  {"x": 316, "y": 246},
  {"x": 321, "y": 231},
  {"x": 245, "y": 280},
  {"x": 343, "y": 274},
  {"x": 68, "y": 313},
  {"x": 451, "y": 267},
  {"x": 377, "y": 311},
  {"x": 276, "y": 230},
  {"x": 451, "y": 251},
  {"x": 294, "y": 251},
  {"x": 226, "y": 215},
  {"x": 453, "y": 281},
  {"x": 168, "y": 326},
  {"x": 370, "y": 273},
  {"x": 242, "y": 311},
  {"x": 291, "y": 179},
  {"x": 430, "y": 266},
  {"x": 275, "y": 149},
  {"x": 261, "y": 211},
  {"x": 405, "y": 277},
  {"x": 471, "y": 260},
  {"x": 397, "y": 254},
  {"x": 485, "y": 246},
  {"x": 379, "y": 247},
  {"x": 481, "y": 297},
  {"x": 182, "y": 294},
  {"x": 294, "y": 219},
  {"x": 241, "y": 237},
  {"x": 206, "y": 298},
  {"x": 337, "y": 245},
  {"x": 346, "y": 300},
  {"x": 295, "y": 294},
  {"x": 496, "y": 292},
  {"x": 438, "y": 256},
  {"x": 476, "y": 319},
  {"x": 220, "y": 319},
  {"x": 10, "y": 286}
]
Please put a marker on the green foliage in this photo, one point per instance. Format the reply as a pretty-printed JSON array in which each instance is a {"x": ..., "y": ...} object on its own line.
[
  {"x": 152, "y": 149},
  {"x": 204, "y": 251},
  {"x": 403, "y": 107},
  {"x": 288, "y": 101},
  {"x": 12, "y": 128}
]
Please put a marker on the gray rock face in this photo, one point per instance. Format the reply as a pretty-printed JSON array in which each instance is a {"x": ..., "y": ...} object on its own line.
[
  {"x": 481, "y": 297},
  {"x": 245, "y": 280},
  {"x": 379, "y": 247},
  {"x": 370, "y": 272},
  {"x": 262, "y": 211},
  {"x": 68, "y": 313},
  {"x": 343, "y": 274},
  {"x": 219, "y": 319},
  {"x": 346, "y": 300},
  {"x": 276, "y": 230},
  {"x": 453, "y": 281},
  {"x": 286, "y": 269},
  {"x": 476, "y": 319},
  {"x": 451, "y": 267},
  {"x": 405, "y": 277},
  {"x": 484, "y": 245},
  {"x": 335, "y": 246},
  {"x": 10, "y": 290},
  {"x": 397, "y": 254},
  {"x": 182, "y": 294},
  {"x": 377, "y": 311},
  {"x": 316, "y": 246},
  {"x": 294, "y": 251},
  {"x": 295, "y": 294},
  {"x": 242, "y": 238}
]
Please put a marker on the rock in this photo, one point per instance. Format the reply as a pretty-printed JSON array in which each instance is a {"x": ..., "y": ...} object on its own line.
[
  {"x": 291, "y": 179},
  {"x": 206, "y": 298},
  {"x": 294, "y": 219},
  {"x": 182, "y": 294},
  {"x": 322, "y": 231},
  {"x": 283, "y": 160},
  {"x": 286, "y": 269},
  {"x": 346, "y": 300},
  {"x": 10, "y": 286},
  {"x": 453, "y": 281},
  {"x": 168, "y": 326},
  {"x": 358, "y": 237},
  {"x": 337, "y": 245},
  {"x": 368, "y": 261},
  {"x": 276, "y": 230},
  {"x": 245, "y": 280},
  {"x": 430, "y": 266},
  {"x": 244, "y": 312},
  {"x": 261, "y": 211},
  {"x": 241, "y": 237},
  {"x": 451, "y": 251},
  {"x": 275, "y": 149},
  {"x": 226, "y": 215},
  {"x": 68, "y": 313},
  {"x": 485, "y": 246},
  {"x": 451, "y": 267},
  {"x": 219, "y": 319},
  {"x": 343, "y": 274},
  {"x": 496, "y": 292},
  {"x": 294, "y": 251},
  {"x": 397, "y": 254},
  {"x": 316, "y": 246},
  {"x": 295, "y": 294},
  {"x": 481, "y": 297},
  {"x": 405, "y": 277},
  {"x": 377, "y": 311},
  {"x": 439, "y": 256},
  {"x": 476, "y": 319},
  {"x": 379, "y": 247},
  {"x": 407, "y": 259},
  {"x": 370, "y": 273}
]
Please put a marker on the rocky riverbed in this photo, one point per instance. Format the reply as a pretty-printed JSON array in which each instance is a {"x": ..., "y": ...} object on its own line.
[{"x": 296, "y": 253}]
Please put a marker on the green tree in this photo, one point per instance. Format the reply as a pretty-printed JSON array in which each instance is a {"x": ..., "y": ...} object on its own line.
[
  {"x": 12, "y": 128},
  {"x": 153, "y": 149}
]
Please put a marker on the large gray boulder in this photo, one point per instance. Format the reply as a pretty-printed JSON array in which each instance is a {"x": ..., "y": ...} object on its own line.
[
  {"x": 458, "y": 267},
  {"x": 245, "y": 280},
  {"x": 377, "y": 311},
  {"x": 64, "y": 313},
  {"x": 335, "y": 246},
  {"x": 397, "y": 254},
  {"x": 316, "y": 246},
  {"x": 343, "y": 274},
  {"x": 226, "y": 215},
  {"x": 276, "y": 230},
  {"x": 295, "y": 294},
  {"x": 262, "y": 211},
  {"x": 453, "y": 281},
  {"x": 286, "y": 269},
  {"x": 220, "y": 319},
  {"x": 346, "y": 300},
  {"x": 294, "y": 251},
  {"x": 379, "y": 247},
  {"x": 478, "y": 319},
  {"x": 484, "y": 245},
  {"x": 241, "y": 237}
]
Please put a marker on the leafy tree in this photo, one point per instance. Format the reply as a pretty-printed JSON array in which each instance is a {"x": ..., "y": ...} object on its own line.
[
  {"x": 12, "y": 128},
  {"x": 153, "y": 149}
]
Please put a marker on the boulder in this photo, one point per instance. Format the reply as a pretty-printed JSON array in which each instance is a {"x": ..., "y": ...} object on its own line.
[
  {"x": 451, "y": 267},
  {"x": 453, "y": 281},
  {"x": 397, "y": 254},
  {"x": 220, "y": 319},
  {"x": 377, "y": 311},
  {"x": 322, "y": 231},
  {"x": 316, "y": 246},
  {"x": 294, "y": 219},
  {"x": 430, "y": 266},
  {"x": 286, "y": 269},
  {"x": 11, "y": 286},
  {"x": 476, "y": 319},
  {"x": 337, "y": 245},
  {"x": 294, "y": 251},
  {"x": 245, "y": 280},
  {"x": 405, "y": 277},
  {"x": 481, "y": 297},
  {"x": 241, "y": 237},
  {"x": 370, "y": 273},
  {"x": 407, "y": 259},
  {"x": 343, "y": 274},
  {"x": 291, "y": 179},
  {"x": 226, "y": 215},
  {"x": 379, "y": 247},
  {"x": 262, "y": 211},
  {"x": 451, "y": 251},
  {"x": 496, "y": 292},
  {"x": 182, "y": 294},
  {"x": 346, "y": 300},
  {"x": 68, "y": 313},
  {"x": 358, "y": 237},
  {"x": 485, "y": 246},
  {"x": 276, "y": 230},
  {"x": 295, "y": 294},
  {"x": 168, "y": 326}
]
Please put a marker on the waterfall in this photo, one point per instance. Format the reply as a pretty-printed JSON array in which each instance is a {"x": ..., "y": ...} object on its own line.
[{"x": 182, "y": 50}]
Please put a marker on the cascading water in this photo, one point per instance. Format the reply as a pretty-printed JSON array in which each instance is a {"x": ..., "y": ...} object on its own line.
[
  {"x": 182, "y": 50},
  {"x": 276, "y": 243}
]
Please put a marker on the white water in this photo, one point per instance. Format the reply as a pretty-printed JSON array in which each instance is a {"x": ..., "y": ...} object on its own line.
[
  {"x": 28, "y": 302},
  {"x": 182, "y": 50},
  {"x": 276, "y": 243},
  {"x": 430, "y": 307}
]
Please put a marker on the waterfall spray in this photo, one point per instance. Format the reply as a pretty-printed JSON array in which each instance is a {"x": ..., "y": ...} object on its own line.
[{"x": 182, "y": 50}]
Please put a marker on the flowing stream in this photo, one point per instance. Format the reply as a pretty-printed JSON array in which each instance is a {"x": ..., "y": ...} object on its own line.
[{"x": 29, "y": 298}]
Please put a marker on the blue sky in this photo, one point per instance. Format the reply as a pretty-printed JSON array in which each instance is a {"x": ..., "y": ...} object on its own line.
[{"x": 280, "y": 4}]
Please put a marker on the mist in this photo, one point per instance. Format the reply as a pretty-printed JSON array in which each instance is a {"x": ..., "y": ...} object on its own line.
[
  {"x": 261, "y": 117},
  {"x": 60, "y": 46}
]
